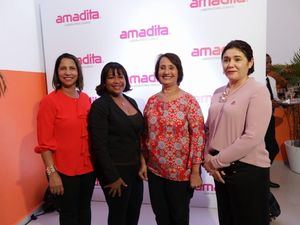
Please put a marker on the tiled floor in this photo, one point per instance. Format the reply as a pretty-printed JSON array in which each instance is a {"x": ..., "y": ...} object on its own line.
[{"x": 288, "y": 196}]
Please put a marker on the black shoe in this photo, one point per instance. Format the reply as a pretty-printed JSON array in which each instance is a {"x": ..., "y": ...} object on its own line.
[{"x": 274, "y": 185}]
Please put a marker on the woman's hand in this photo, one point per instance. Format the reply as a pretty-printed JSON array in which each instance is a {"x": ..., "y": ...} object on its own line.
[
  {"x": 55, "y": 184},
  {"x": 195, "y": 180},
  {"x": 215, "y": 173},
  {"x": 143, "y": 172},
  {"x": 116, "y": 187},
  {"x": 208, "y": 166},
  {"x": 143, "y": 169}
]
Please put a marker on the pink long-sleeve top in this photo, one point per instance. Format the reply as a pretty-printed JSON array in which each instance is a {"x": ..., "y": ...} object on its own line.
[{"x": 237, "y": 126}]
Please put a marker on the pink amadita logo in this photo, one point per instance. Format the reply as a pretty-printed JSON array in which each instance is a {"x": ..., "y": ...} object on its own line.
[
  {"x": 206, "y": 187},
  {"x": 86, "y": 15},
  {"x": 90, "y": 58},
  {"x": 153, "y": 31},
  {"x": 142, "y": 79},
  {"x": 213, "y": 3},
  {"x": 207, "y": 51}
]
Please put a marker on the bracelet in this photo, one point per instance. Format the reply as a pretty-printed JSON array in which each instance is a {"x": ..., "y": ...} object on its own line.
[{"x": 50, "y": 169}]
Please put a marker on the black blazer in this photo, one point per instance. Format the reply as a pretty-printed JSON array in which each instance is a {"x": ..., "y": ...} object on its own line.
[{"x": 114, "y": 141}]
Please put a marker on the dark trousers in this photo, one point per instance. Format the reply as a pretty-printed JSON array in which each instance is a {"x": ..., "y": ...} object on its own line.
[
  {"x": 125, "y": 210},
  {"x": 75, "y": 204},
  {"x": 243, "y": 199},
  {"x": 170, "y": 200},
  {"x": 270, "y": 140}
]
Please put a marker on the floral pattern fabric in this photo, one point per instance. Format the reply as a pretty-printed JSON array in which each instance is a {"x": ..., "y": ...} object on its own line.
[{"x": 174, "y": 137}]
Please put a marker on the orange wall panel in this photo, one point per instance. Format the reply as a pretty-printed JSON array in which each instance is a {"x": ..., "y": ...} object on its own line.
[
  {"x": 23, "y": 181},
  {"x": 283, "y": 130}
]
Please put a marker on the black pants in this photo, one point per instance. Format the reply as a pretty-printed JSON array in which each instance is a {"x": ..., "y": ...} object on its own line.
[
  {"x": 243, "y": 199},
  {"x": 270, "y": 140},
  {"x": 170, "y": 200},
  {"x": 75, "y": 204},
  {"x": 125, "y": 210}
]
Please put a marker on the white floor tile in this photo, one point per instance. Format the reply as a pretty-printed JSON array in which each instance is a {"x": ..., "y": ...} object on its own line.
[{"x": 288, "y": 196}]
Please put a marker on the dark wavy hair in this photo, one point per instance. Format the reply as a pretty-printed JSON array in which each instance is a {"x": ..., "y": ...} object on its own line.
[
  {"x": 114, "y": 67},
  {"x": 175, "y": 60},
  {"x": 56, "y": 83},
  {"x": 244, "y": 47}
]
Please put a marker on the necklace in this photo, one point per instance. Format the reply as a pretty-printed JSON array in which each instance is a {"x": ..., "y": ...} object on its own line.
[
  {"x": 223, "y": 97},
  {"x": 124, "y": 106},
  {"x": 122, "y": 103}
]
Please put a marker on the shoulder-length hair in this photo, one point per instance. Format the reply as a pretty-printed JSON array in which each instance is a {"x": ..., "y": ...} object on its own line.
[
  {"x": 175, "y": 60},
  {"x": 116, "y": 69},
  {"x": 56, "y": 83}
]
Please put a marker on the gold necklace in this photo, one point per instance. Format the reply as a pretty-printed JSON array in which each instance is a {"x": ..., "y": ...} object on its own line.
[{"x": 122, "y": 103}]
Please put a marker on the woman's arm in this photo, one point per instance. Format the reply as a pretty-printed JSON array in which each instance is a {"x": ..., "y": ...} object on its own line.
[
  {"x": 143, "y": 168},
  {"x": 197, "y": 141},
  {"x": 55, "y": 183},
  {"x": 98, "y": 124},
  {"x": 256, "y": 123},
  {"x": 47, "y": 143}
]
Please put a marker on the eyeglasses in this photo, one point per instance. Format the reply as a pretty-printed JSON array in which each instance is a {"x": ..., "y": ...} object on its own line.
[{"x": 223, "y": 97}]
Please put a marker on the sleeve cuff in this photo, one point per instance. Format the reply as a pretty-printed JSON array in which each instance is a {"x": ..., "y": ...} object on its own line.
[
  {"x": 217, "y": 163},
  {"x": 40, "y": 149}
]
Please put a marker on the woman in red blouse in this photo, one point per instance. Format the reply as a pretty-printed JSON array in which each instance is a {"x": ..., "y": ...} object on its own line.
[
  {"x": 173, "y": 145},
  {"x": 63, "y": 142}
]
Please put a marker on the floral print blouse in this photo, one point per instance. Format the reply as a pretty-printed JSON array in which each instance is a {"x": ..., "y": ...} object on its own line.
[{"x": 175, "y": 136}]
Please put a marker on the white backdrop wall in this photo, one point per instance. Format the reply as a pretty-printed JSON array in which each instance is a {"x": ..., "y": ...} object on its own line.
[
  {"x": 20, "y": 39},
  {"x": 135, "y": 32},
  {"x": 283, "y": 29}
]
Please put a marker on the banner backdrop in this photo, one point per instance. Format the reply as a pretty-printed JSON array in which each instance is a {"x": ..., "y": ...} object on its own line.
[{"x": 135, "y": 32}]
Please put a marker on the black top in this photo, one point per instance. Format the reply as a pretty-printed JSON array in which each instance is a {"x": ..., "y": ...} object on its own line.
[
  {"x": 115, "y": 137},
  {"x": 269, "y": 88},
  {"x": 137, "y": 122}
]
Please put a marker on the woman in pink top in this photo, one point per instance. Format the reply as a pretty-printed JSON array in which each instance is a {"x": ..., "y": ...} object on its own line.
[
  {"x": 63, "y": 142},
  {"x": 173, "y": 146},
  {"x": 235, "y": 152}
]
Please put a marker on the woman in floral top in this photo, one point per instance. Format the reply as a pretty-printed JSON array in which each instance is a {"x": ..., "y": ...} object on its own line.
[{"x": 174, "y": 144}]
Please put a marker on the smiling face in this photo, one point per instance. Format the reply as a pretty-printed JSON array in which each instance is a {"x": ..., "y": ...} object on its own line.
[
  {"x": 115, "y": 82},
  {"x": 67, "y": 73},
  {"x": 167, "y": 72},
  {"x": 236, "y": 65}
]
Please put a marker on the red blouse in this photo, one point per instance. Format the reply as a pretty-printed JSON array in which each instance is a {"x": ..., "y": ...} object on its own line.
[
  {"x": 175, "y": 136},
  {"x": 62, "y": 128}
]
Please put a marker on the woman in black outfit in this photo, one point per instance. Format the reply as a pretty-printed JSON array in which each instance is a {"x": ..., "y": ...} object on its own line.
[{"x": 115, "y": 125}]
